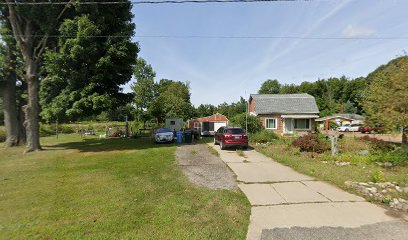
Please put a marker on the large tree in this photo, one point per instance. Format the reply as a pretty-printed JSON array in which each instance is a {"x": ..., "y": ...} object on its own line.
[
  {"x": 386, "y": 99},
  {"x": 173, "y": 100},
  {"x": 93, "y": 58},
  {"x": 270, "y": 87},
  {"x": 144, "y": 89},
  {"x": 8, "y": 84},
  {"x": 204, "y": 110},
  {"x": 32, "y": 25}
]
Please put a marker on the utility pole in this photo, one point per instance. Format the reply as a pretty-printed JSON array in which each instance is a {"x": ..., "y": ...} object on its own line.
[{"x": 246, "y": 114}]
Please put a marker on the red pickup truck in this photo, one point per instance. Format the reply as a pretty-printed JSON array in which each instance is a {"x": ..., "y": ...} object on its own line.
[{"x": 370, "y": 130}]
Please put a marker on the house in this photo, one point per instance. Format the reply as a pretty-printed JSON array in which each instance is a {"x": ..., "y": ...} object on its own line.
[
  {"x": 208, "y": 125},
  {"x": 285, "y": 113},
  {"x": 174, "y": 124},
  {"x": 340, "y": 119}
]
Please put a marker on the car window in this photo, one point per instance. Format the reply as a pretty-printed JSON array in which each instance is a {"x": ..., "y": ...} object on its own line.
[
  {"x": 220, "y": 130},
  {"x": 235, "y": 131},
  {"x": 163, "y": 130}
]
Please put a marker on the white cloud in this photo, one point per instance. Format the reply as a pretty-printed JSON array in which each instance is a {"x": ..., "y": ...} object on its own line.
[{"x": 353, "y": 31}]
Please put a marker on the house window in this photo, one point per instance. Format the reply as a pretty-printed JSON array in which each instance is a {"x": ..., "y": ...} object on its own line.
[
  {"x": 302, "y": 124},
  {"x": 271, "y": 123},
  {"x": 172, "y": 123}
]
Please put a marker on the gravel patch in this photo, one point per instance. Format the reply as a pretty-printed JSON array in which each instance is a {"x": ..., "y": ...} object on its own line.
[{"x": 203, "y": 168}]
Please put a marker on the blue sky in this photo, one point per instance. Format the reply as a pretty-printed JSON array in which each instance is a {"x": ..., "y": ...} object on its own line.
[{"x": 224, "y": 69}]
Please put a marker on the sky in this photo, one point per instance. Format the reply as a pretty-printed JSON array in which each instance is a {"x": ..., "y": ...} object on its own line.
[{"x": 223, "y": 69}]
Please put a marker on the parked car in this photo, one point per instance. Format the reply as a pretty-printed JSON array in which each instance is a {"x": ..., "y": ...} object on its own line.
[
  {"x": 163, "y": 135},
  {"x": 370, "y": 129},
  {"x": 349, "y": 128},
  {"x": 231, "y": 137}
]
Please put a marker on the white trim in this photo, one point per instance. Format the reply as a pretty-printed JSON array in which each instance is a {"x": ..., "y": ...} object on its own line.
[
  {"x": 310, "y": 124},
  {"x": 276, "y": 123}
]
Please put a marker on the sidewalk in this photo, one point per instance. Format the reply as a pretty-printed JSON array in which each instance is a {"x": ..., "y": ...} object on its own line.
[{"x": 285, "y": 202}]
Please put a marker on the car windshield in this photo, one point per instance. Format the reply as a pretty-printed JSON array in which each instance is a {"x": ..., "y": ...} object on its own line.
[
  {"x": 235, "y": 131},
  {"x": 163, "y": 130}
]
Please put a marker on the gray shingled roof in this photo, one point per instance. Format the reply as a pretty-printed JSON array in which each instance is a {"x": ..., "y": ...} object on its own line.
[{"x": 285, "y": 103}]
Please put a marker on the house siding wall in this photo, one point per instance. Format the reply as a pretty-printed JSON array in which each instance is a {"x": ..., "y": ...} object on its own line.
[
  {"x": 251, "y": 105},
  {"x": 263, "y": 118},
  {"x": 280, "y": 120}
]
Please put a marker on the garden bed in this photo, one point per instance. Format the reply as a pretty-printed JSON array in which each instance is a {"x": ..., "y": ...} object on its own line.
[{"x": 356, "y": 162}]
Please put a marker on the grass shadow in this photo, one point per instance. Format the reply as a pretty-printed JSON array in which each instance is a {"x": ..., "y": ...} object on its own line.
[{"x": 106, "y": 145}]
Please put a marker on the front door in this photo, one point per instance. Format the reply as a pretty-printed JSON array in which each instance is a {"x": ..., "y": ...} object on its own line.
[{"x": 288, "y": 125}]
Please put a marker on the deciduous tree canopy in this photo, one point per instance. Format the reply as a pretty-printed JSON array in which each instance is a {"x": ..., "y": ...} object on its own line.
[
  {"x": 84, "y": 75},
  {"x": 386, "y": 99}
]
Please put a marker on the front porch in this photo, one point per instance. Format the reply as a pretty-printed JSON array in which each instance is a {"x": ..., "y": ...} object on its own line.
[{"x": 298, "y": 123}]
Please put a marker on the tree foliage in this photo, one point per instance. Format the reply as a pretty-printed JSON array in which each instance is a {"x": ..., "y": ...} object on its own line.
[
  {"x": 232, "y": 109},
  {"x": 270, "y": 87},
  {"x": 386, "y": 99},
  {"x": 84, "y": 74},
  {"x": 172, "y": 101},
  {"x": 204, "y": 110},
  {"x": 243, "y": 119},
  {"x": 164, "y": 99},
  {"x": 144, "y": 88}
]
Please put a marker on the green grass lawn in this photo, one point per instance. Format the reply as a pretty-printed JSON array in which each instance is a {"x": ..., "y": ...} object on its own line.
[{"x": 110, "y": 189}]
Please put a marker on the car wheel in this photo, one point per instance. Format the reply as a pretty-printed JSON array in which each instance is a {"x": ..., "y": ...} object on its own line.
[
  {"x": 346, "y": 130},
  {"x": 215, "y": 141},
  {"x": 222, "y": 146},
  {"x": 245, "y": 147}
]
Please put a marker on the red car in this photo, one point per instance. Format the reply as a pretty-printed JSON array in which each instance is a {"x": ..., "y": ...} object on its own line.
[
  {"x": 231, "y": 137},
  {"x": 370, "y": 130}
]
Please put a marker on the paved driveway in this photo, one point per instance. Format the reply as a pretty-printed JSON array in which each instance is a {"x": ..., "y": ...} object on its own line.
[{"x": 290, "y": 205}]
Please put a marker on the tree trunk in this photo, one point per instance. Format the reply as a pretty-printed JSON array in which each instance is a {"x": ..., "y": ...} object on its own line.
[
  {"x": 9, "y": 99},
  {"x": 31, "y": 111},
  {"x": 10, "y": 111},
  {"x": 405, "y": 136},
  {"x": 22, "y": 138}
]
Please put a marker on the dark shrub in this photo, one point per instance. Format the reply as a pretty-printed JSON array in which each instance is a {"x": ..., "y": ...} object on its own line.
[
  {"x": 311, "y": 143},
  {"x": 378, "y": 145}
]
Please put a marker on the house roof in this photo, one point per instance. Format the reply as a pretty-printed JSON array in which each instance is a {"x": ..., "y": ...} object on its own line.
[
  {"x": 213, "y": 118},
  {"x": 284, "y": 103}
]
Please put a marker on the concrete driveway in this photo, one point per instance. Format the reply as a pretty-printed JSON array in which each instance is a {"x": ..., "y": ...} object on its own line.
[{"x": 290, "y": 205}]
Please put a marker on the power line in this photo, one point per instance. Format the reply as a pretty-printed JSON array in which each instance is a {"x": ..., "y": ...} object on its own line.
[
  {"x": 149, "y": 2},
  {"x": 214, "y": 37}
]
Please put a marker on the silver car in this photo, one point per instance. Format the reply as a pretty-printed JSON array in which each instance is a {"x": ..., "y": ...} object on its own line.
[{"x": 163, "y": 135}]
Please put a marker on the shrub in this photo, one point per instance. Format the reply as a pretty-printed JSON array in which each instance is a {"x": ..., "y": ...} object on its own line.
[
  {"x": 396, "y": 157},
  {"x": 377, "y": 176},
  {"x": 50, "y": 129},
  {"x": 311, "y": 143},
  {"x": 2, "y": 134},
  {"x": 263, "y": 136},
  {"x": 378, "y": 145},
  {"x": 254, "y": 124}
]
